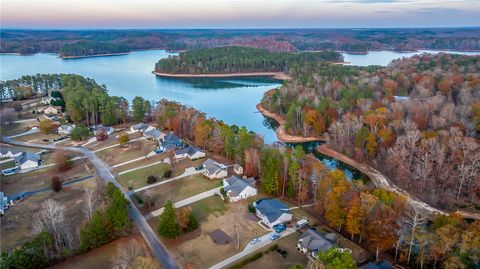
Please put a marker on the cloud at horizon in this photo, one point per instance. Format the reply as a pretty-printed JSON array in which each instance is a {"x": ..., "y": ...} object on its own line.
[{"x": 237, "y": 14}]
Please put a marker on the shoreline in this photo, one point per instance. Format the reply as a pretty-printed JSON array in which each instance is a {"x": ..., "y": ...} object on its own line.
[
  {"x": 93, "y": 55},
  {"x": 275, "y": 75},
  {"x": 381, "y": 181},
  {"x": 280, "y": 130}
]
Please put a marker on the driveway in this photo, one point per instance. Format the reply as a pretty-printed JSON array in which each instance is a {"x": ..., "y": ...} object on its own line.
[
  {"x": 188, "y": 172},
  {"x": 249, "y": 248},
  {"x": 189, "y": 200}
]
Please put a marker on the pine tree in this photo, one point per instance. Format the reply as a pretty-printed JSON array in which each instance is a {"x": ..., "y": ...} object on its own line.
[{"x": 168, "y": 226}]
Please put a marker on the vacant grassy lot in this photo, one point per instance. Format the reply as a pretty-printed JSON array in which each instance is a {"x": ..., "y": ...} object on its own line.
[
  {"x": 38, "y": 138},
  {"x": 138, "y": 178},
  {"x": 179, "y": 189},
  {"x": 16, "y": 128},
  {"x": 274, "y": 260},
  {"x": 213, "y": 214},
  {"x": 40, "y": 179},
  {"x": 101, "y": 257},
  {"x": 17, "y": 225},
  {"x": 128, "y": 152}
]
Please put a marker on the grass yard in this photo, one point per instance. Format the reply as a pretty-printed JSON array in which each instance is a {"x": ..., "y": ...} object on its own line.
[
  {"x": 179, "y": 189},
  {"x": 101, "y": 257},
  {"x": 274, "y": 260},
  {"x": 38, "y": 138},
  {"x": 40, "y": 179},
  {"x": 214, "y": 214},
  {"x": 7, "y": 164},
  {"x": 16, "y": 128},
  {"x": 179, "y": 167},
  {"x": 138, "y": 178},
  {"x": 117, "y": 155},
  {"x": 17, "y": 225},
  {"x": 139, "y": 163}
]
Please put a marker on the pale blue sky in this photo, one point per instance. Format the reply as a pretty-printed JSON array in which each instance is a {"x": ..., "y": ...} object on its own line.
[{"x": 237, "y": 14}]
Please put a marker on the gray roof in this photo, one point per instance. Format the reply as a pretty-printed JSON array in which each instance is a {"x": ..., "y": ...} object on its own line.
[
  {"x": 5, "y": 150},
  {"x": 101, "y": 128},
  {"x": 271, "y": 208},
  {"x": 140, "y": 126},
  {"x": 237, "y": 185},
  {"x": 212, "y": 166},
  {"x": 27, "y": 156},
  {"x": 153, "y": 133},
  {"x": 314, "y": 241},
  {"x": 171, "y": 137},
  {"x": 190, "y": 150}
]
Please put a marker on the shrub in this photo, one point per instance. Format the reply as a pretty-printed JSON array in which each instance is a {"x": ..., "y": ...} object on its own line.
[
  {"x": 46, "y": 126},
  {"x": 192, "y": 223},
  {"x": 273, "y": 247},
  {"x": 80, "y": 132},
  {"x": 251, "y": 209},
  {"x": 123, "y": 139},
  {"x": 56, "y": 184},
  {"x": 167, "y": 174},
  {"x": 17, "y": 107},
  {"x": 247, "y": 261},
  {"x": 151, "y": 179},
  {"x": 101, "y": 136}
]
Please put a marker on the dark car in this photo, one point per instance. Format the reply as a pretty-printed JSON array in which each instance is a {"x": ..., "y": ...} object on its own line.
[{"x": 198, "y": 168}]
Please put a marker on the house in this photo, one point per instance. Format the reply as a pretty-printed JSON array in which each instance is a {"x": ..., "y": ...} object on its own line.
[
  {"x": 28, "y": 160},
  {"x": 9, "y": 152},
  {"x": 153, "y": 133},
  {"x": 138, "y": 128},
  {"x": 238, "y": 169},
  {"x": 190, "y": 152},
  {"x": 108, "y": 130},
  {"x": 313, "y": 242},
  {"x": 213, "y": 169},
  {"x": 47, "y": 100},
  {"x": 170, "y": 142},
  {"x": 65, "y": 129},
  {"x": 50, "y": 110},
  {"x": 272, "y": 211},
  {"x": 237, "y": 188}
]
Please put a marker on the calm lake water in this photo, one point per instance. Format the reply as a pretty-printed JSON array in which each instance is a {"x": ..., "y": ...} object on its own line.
[{"x": 232, "y": 100}]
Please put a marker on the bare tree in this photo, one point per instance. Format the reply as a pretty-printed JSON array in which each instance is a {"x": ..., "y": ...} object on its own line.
[
  {"x": 90, "y": 202},
  {"x": 414, "y": 221},
  {"x": 51, "y": 218},
  {"x": 126, "y": 254}
]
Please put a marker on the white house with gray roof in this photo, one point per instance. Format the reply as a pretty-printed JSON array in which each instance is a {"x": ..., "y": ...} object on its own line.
[
  {"x": 153, "y": 133},
  {"x": 9, "y": 152},
  {"x": 138, "y": 128},
  {"x": 239, "y": 188},
  {"x": 65, "y": 129},
  {"x": 190, "y": 152},
  {"x": 313, "y": 242},
  {"x": 272, "y": 211},
  {"x": 28, "y": 160},
  {"x": 213, "y": 169}
]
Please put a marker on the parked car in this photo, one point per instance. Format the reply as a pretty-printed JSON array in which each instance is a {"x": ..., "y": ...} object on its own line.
[
  {"x": 255, "y": 240},
  {"x": 158, "y": 151},
  {"x": 274, "y": 236},
  {"x": 279, "y": 228},
  {"x": 303, "y": 222},
  {"x": 198, "y": 168}
]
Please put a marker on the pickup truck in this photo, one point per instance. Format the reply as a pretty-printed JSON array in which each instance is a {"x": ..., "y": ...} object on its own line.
[
  {"x": 303, "y": 222},
  {"x": 279, "y": 228}
]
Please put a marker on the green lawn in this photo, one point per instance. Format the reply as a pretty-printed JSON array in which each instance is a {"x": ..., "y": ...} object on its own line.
[
  {"x": 138, "y": 178},
  {"x": 180, "y": 189},
  {"x": 211, "y": 205}
]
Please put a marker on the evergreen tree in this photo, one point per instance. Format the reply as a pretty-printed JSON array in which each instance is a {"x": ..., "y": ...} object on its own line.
[{"x": 168, "y": 226}]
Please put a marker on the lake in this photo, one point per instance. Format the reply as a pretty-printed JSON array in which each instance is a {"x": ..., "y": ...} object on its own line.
[{"x": 232, "y": 100}]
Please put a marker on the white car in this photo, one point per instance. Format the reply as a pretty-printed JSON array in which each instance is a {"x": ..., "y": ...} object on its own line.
[{"x": 255, "y": 240}]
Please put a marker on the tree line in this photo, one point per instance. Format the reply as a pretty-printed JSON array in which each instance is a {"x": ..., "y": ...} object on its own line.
[{"x": 234, "y": 59}]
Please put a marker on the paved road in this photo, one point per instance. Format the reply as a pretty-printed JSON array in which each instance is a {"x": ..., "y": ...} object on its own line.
[
  {"x": 31, "y": 131},
  {"x": 189, "y": 200},
  {"x": 188, "y": 172},
  {"x": 158, "y": 249},
  {"x": 249, "y": 248}
]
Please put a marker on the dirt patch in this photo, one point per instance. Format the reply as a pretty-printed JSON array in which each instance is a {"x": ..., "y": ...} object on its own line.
[{"x": 219, "y": 237}]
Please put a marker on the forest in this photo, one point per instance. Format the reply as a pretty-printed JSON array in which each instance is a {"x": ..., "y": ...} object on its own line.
[
  {"x": 92, "y": 42},
  {"x": 85, "y": 101},
  {"x": 378, "y": 219},
  {"x": 239, "y": 59},
  {"x": 416, "y": 121}
]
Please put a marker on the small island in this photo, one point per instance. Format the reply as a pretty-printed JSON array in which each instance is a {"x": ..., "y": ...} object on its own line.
[{"x": 234, "y": 61}]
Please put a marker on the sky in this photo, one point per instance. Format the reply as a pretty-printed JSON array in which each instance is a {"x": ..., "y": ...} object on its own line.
[{"x": 88, "y": 14}]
